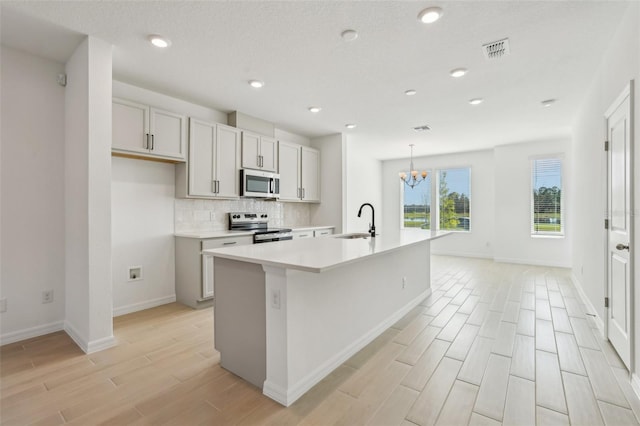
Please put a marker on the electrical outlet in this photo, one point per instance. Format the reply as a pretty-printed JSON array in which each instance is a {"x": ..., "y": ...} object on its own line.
[
  {"x": 275, "y": 299},
  {"x": 404, "y": 282},
  {"x": 3, "y": 305},
  {"x": 47, "y": 296}
]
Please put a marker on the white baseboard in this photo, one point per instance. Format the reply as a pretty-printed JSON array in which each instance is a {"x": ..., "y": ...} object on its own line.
[
  {"x": 295, "y": 391},
  {"x": 533, "y": 262},
  {"x": 587, "y": 303},
  {"x": 460, "y": 254},
  {"x": 147, "y": 304},
  {"x": 28, "y": 333},
  {"x": 635, "y": 384},
  {"x": 88, "y": 346}
]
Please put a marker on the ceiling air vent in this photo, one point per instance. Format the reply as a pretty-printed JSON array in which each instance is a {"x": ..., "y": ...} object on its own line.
[{"x": 496, "y": 49}]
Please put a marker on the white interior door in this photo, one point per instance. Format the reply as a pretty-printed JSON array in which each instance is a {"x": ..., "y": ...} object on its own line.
[{"x": 620, "y": 284}]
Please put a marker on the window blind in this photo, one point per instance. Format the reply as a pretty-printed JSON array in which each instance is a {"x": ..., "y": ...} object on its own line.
[{"x": 547, "y": 196}]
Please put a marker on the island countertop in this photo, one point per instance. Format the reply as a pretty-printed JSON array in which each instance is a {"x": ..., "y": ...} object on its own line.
[{"x": 320, "y": 254}]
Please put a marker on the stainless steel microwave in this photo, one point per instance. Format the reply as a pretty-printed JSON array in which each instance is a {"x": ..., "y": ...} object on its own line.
[{"x": 254, "y": 183}]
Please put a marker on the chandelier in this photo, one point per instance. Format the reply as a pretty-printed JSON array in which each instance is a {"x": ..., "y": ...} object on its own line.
[{"x": 413, "y": 179}]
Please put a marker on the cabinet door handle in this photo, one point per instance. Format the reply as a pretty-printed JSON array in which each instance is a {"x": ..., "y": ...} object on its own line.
[
  {"x": 152, "y": 142},
  {"x": 217, "y": 187},
  {"x": 230, "y": 243},
  {"x": 303, "y": 193},
  {"x": 146, "y": 141},
  {"x": 213, "y": 186}
]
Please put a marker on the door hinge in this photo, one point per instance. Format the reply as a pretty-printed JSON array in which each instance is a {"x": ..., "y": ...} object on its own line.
[
  {"x": 606, "y": 145},
  {"x": 606, "y": 302},
  {"x": 606, "y": 224}
]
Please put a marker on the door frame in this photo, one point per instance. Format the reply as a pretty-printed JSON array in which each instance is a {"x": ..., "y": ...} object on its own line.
[{"x": 628, "y": 91}]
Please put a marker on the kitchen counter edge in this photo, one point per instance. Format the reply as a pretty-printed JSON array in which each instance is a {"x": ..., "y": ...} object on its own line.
[{"x": 204, "y": 235}]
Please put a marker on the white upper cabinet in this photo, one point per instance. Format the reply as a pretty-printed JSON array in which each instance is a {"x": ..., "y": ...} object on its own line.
[
  {"x": 259, "y": 152},
  {"x": 214, "y": 160},
  {"x": 227, "y": 161},
  {"x": 149, "y": 132},
  {"x": 130, "y": 126},
  {"x": 289, "y": 160},
  {"x": 310, "y": 180},
  {"x": 299, "y": 172},
  {"x": 202, "y": 145}
]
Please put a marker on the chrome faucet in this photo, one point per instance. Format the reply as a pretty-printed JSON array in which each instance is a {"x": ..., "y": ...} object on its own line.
[{"x": 372, "y": 225}]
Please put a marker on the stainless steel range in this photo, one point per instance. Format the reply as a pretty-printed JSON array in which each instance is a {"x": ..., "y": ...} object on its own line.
[{"x": 258, "y": 222}]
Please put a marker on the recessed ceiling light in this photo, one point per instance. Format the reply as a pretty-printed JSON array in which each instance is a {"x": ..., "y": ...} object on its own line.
[
  {"x": 349, "y": 35},
  {"x": 458, "y": 72},
  {"x": 350, "y": 126},
  {"x": 315, "y": 109},
  {"x": 410, "y": 92},
  {"x": 256, "y": 84},
  {"x": 476, "y": 101},
  {"x": 430, "y": 15},
  {"x": 547, "y": 103},
  {"x": 159, "y": 41},
  {"x": 422, "y": 128}
]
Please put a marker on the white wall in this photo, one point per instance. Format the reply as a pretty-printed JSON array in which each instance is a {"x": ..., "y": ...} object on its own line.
[
  {"x": 363, "y": 185},
  {"x": 88, "y": 304},
  {"x": 329, "y": 211},
  {"x": 32, "y": 187},
  {"x": 142, "y": 211},
  {"x": 620, "y": 64},
  {"x": 513, "y": 241},
  {"x": 283, "y": 135},
  {"x": 476, "y": 243}
]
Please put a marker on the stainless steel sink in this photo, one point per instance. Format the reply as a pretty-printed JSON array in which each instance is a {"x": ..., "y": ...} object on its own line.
[{"x": 353, "y": 236}]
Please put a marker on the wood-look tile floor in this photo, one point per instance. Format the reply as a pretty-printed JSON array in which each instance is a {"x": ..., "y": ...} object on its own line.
[{"x": 494, "y": 344}]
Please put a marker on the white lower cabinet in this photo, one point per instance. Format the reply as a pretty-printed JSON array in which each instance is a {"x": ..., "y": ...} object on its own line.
[
  {"x": 311, "y": 233},
  {"x": 302, "y": 234},
  {"x": 323, "y": 232},
  {"x": 194, "y": 270}
]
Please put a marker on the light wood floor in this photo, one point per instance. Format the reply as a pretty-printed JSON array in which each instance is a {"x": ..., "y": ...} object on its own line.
[{"x": 495, "y": 343}]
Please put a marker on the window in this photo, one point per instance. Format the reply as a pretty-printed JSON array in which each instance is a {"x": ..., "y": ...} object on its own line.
[
  {"x": 547, "y": 197},
  {"x": 417, "y": 205},
  {"x": 454, "y": 198}
]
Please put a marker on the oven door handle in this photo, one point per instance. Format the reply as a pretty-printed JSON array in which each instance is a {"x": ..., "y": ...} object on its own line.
[{"x": 271, "y": 190}]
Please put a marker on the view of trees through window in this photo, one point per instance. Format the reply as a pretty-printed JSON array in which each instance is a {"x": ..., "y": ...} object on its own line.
[
  {"x": 547, "y": 196},
  {"x": 417, "y": 205},
  {"x": 453, "y": 194},
  {"x": 453, "y": 198}
]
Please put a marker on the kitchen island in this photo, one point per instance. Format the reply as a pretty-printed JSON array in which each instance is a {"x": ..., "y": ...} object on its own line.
[{"x": 288, "y": 313}]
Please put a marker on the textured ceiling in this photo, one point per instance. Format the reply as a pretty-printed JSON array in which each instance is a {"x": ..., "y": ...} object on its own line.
[{"x": 296, "y": 48}]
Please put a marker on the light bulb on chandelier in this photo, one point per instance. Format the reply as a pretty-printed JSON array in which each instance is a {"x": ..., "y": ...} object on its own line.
[{"x": 412, "y": 180}]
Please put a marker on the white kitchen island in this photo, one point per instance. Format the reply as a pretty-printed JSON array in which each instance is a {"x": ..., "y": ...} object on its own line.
[{"x": 288, "y": 313}]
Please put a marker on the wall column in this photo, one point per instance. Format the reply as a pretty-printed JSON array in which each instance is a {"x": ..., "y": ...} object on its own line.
[{"x": 88, "y": 302}]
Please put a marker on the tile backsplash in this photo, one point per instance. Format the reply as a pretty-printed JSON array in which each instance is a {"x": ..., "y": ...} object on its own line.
[{"x": 211, "y": 215}]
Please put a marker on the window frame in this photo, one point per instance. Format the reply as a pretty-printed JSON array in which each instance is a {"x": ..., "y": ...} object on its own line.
[
  {"x": 437, "y": 195},
  {"x": 403, "y": 188},
  {"x": 434, "y": 173},
  {"x": 532, "y": 168}
]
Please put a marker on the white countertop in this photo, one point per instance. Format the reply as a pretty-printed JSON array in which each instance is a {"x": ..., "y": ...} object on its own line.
[
  {"x": 320, "y": 254},
  {"x": 203, "y": 235}
]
